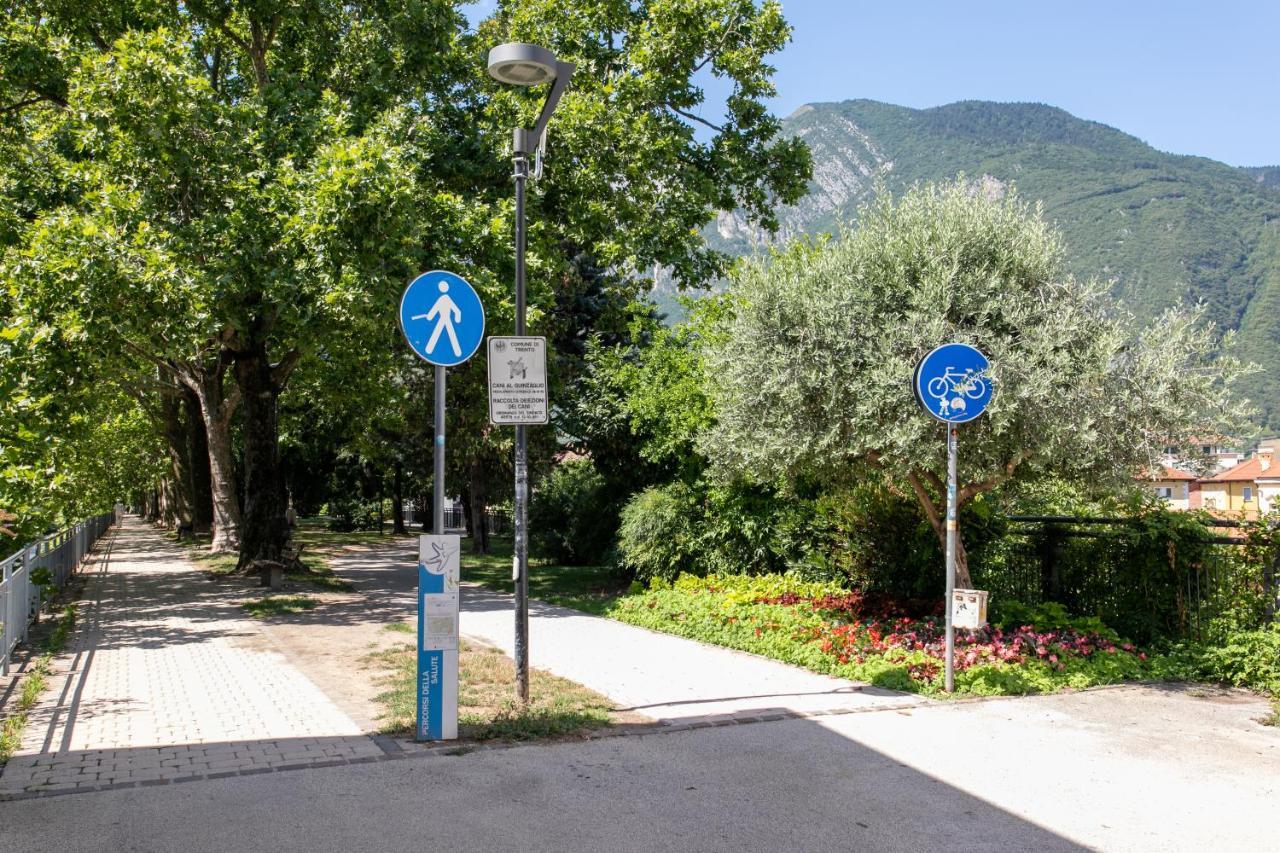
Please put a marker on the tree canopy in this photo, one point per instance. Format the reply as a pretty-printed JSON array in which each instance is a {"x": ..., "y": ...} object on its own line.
[
  {"x": 222, "y": 198},
  {"x": 811, "y": 376}
]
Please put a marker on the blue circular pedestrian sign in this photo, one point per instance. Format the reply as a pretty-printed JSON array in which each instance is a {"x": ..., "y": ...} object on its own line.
[
  {"x": 952, "y": 384},
  {"x": 442, "y": 318}
]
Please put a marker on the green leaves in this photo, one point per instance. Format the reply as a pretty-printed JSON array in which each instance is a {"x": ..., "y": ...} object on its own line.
[{"x": 812, "y": 374}]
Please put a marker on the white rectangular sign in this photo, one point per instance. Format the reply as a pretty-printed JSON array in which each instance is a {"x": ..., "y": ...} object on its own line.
[
  {"x": 438, "y": 577},
  {"x": 518, "y": 381}
]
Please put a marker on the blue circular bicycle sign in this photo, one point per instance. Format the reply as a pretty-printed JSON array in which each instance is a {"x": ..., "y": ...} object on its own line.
[
  {"x": 951, "y": 383},
  {"x": 442, "y": 318}
]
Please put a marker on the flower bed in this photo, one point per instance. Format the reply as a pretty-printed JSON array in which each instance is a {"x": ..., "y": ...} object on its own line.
[{"x": 890, "y": 642}]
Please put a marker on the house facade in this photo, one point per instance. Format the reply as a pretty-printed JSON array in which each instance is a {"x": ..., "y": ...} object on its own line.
[
  {"x": 1173, "y": 486},
  {"x": 1214, "y": 452},
  {"x": 1249, "y": 489}
]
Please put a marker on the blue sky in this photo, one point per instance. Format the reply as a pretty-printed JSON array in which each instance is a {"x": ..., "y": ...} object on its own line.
[{"x": 1188, "y": 77}]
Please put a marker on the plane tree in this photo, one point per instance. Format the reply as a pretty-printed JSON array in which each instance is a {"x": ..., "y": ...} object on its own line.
[
  {"x": 234, "y": 195},
  {"x": 236, "y": 190}
]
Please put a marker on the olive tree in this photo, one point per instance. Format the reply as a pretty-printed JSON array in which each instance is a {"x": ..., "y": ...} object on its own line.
[{"x": 811, "y": 376}]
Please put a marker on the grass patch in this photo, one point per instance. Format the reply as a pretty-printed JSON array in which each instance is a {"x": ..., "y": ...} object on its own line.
[
  {"x": 590, "y": 589},
  {"x": 312, "y": 533},
  {"x": 214, "y": 564},
  {"x": 1272, "y": 719},
  {"x": 279, "y": 605},
  {"x": 400, "y": 628},
  {"x": 34, "y": 683},
  {"x": 318, "y": 547},
  {"x": 319, "y": 575},
  {"x": 486, "y": 710}
]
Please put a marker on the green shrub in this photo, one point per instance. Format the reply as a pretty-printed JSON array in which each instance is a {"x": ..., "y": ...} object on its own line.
[
  {"x": 1047, "y": 616},
  {"x": 657, "y": 536},
  {"x": 751, "y": 529},
  {"x": 572, "y": 517},
  {"x": 347, "y": 514},
  {"x": 1243, "y": 659},
  {"x": 711, "y": 528},
  {"x": 870, "y": 538}
]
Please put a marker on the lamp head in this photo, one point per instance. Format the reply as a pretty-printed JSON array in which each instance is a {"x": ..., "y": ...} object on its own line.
[{"x": 522, "y": 64}]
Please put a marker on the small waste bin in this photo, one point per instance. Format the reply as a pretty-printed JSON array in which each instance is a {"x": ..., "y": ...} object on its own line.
[{"x": 969, "y": 608}]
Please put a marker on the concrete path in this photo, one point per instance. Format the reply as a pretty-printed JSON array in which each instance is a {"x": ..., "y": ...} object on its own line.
[
  {"x": 1131, "y": 769},
  {"x": 166, "y": 680},
  {"x": 665, "y": 678}
]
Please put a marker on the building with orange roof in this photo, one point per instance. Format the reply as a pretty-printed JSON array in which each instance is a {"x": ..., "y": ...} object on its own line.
[
  {"x": 1249, "y": 489},
  {"x": 1174, "y": 486}
]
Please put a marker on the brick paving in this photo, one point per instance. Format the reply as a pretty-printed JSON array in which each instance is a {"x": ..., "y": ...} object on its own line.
[{"x": 160, "y": 684}]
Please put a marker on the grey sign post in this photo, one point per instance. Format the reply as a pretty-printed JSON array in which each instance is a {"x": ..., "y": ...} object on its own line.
[
  {"x": 520, "y": 64},
  {"x": 952, "y": 385}
]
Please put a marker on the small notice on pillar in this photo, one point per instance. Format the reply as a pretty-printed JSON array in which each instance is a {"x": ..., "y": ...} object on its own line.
[
  {"x": 518, "y": 381},
  {"x": 438, "y": 577}
]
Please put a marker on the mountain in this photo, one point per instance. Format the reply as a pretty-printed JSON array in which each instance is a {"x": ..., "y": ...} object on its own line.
[
  {"x": 1266, "y": 175},
  {"x": 1162, "y": 227}
]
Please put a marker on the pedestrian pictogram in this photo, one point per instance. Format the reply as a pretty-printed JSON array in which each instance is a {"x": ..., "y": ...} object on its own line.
[{"x": 442, "y": 318}]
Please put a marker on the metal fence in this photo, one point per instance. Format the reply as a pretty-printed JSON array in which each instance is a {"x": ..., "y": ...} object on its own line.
[
  {"x": 1136, "y": 580},
  {"x": 61, "y": 554},
  {"x": 497, "y": 522}
]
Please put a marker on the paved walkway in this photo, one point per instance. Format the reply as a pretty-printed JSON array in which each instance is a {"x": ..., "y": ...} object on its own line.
[
  {"x": 666, "y": 678},
  {"x": 1136, "y": 768},
  {"x": 166, "y": 681}
]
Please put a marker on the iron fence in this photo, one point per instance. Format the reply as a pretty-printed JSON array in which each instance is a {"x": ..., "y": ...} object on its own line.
[
  {"x": 61, "y": 554},
  {"x": 1145, "y": 584},
  {"x": 497, "y": 522}
]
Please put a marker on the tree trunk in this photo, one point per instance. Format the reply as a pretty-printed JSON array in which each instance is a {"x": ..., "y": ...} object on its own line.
[
  {"x": 166, "y": 513},
  {"x": 397, "y": 499},
  {"x": 198, "y": 456},
  {"x": 264, "y": 530},
  {"x": 963, "y": 581},
  {"x": 936, "y": 515},
  {"x": 479, "y": 497},
  {"x": 216, "y": 409},
  {"x": 176, "y": 437}
]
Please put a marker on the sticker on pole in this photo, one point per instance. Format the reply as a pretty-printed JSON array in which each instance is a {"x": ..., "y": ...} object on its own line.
[
  {"x": 952, "y": 384},
  {"x": 442, "y": 318},
  {"x": 518, "y": 381}
]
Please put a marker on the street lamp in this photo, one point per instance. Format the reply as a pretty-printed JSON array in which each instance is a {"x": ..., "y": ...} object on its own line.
[{"x": 521, "y": 64}]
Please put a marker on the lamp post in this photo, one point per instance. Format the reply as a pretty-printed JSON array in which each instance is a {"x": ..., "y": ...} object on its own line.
[{"x": 525, "y": 65}]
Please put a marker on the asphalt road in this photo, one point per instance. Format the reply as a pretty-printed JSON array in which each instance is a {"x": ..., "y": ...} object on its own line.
[{"x": 1130, "y": 769}]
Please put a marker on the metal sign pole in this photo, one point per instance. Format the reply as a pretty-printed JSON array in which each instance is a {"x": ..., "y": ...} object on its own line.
[
  {"x": 520, "y": 558},
  {"x": 442, "y": 319},
  {"x": 437, "y": 502},
  {"x": 951, "y": 556}
]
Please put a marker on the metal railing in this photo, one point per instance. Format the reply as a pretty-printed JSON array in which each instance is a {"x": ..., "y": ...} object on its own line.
[
  {"x": 61, "y": 554},
  {"x": 1139, "y": 580}
]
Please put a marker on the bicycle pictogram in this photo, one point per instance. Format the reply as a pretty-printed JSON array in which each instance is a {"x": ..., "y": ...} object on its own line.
[{"x": 953, "y": 386}]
